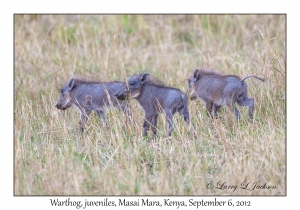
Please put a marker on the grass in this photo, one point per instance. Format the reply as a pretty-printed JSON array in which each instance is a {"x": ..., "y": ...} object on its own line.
[{"x": 51, "y": 158}]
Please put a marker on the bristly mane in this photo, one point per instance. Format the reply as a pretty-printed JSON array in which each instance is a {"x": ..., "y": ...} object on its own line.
[
  {"x": 87, "y": 81},
  {"x": 158, "y": 83},
  {"x": 214, "y": 73},
  {"x": 152, "y": 80},
  {"x": 209, "y": 72},
  {"x": 91, "y": 81},
  {"x": 155, "y": 82}
]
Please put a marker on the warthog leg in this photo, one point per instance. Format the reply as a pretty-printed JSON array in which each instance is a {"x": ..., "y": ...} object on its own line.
[
  {"x": 209, "y": 108},
  {"x": 154, "y": 124},
  {"x": 147, "y": 121},
  {"x": 186, "y": 116},
  {"x": 215, "y": 109},
  {"x": 232, "y": 107},
  {"x": 170, "y": 122},
  {"x": 84, "y": 115},
  {"x": 250, "y": 103},
  {"x": 102, "y": 117}
]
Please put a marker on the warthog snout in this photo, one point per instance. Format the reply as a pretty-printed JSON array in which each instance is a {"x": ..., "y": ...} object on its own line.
[
  {"x": 122, "y": 95},
  {"x": 192, "y": 90},
  {"x": 59, "y": 106},
  {"x": 193, "y": 97}
]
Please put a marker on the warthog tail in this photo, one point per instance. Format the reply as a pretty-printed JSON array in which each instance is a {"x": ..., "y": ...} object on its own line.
[{"x": 261, "y": 79}]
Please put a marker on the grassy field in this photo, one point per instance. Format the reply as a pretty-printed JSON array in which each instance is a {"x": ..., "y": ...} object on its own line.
[{"x": 52, "y": 158}]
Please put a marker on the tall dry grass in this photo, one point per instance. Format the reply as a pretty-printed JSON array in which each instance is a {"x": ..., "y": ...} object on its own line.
[{"x": 51, "y": 158}]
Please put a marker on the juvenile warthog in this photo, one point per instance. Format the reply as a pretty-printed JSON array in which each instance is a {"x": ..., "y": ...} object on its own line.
[
  {"x": 90, "y": 95},
  {"x": 217, "y": 90},
  {"x": 155, "y": 98}
]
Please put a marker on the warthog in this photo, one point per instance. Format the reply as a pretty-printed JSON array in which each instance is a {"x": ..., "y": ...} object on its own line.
[
  {"x": 155, "y": 98},
  {"x": 217, "y": 90},
  {"x": 90, "y": 95}
]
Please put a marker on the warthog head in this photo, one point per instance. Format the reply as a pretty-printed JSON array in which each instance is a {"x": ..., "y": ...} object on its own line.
[
  {"x": 134, "y": 89},
  {"x": 65, "y": 99},
  {"x": 192, "y": 81}
]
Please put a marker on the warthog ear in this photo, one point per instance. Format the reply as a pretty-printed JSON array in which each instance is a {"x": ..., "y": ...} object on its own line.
[
  {"x": 197, "y": 75},
  {"x": 144, "y": 77},
  {"x": 71, "y": 84}
]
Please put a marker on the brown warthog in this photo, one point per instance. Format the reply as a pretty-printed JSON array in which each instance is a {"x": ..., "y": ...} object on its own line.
[
  {"x": 90, "y": 95},
  {"x": 217, "y": 90},
  {"x": 155, "y": 98}
]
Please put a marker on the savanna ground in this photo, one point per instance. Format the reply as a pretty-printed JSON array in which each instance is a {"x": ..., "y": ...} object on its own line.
[{"x": 52, "y": 158}]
